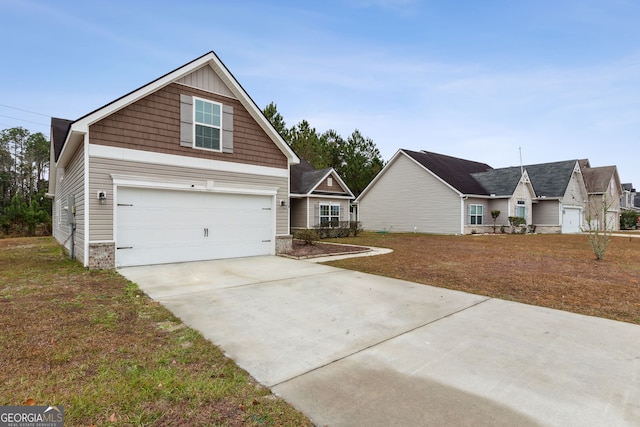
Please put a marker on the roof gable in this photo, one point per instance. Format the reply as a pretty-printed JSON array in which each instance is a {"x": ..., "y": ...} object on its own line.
[
  {"x": 305, "y": 178},
  {"x": 189, "y": 71},
  {"x": 452, "y": 170},
  {"x": 599, "y": 178},
  {"x": 551, "y": 179},
  {"x": 206, "y": 79}
]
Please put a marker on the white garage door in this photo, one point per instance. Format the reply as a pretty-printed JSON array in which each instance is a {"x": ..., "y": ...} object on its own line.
[
  {"x": 163, "y": 226},
  {"x": 571, "y": 220}
]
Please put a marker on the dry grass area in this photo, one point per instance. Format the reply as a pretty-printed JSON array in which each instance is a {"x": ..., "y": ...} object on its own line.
[
  {"x": 556, "y": 271},
  {"x": 94, "y": 343}
]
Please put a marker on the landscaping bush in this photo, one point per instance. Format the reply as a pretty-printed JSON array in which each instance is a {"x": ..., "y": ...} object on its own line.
[
  {"x": 355, "y": 227},
  {"x": 308, "y": 235},
  {"x": 517, "y": 221},
  {"x": 335, "y": 229},
  {"x": 628, "y": 219}
]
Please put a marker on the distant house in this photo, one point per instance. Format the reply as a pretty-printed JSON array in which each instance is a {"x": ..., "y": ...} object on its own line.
[
  {"x": 317, "y": 197},
  {"x": 628, "y": 198},
  {"x": 605, "y": 193},
  {"x": 184, "y": 168},
  {"x": 433, "y": 193}
]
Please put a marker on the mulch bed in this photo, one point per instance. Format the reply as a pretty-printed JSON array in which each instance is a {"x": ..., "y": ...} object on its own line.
[{"x": 301, "y": 250}]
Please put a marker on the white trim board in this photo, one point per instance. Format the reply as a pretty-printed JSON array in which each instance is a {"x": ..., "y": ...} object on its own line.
[{"x": 127, "y": 154}]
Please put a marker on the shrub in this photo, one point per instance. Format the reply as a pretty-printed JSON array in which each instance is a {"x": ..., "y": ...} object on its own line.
[
  {"x": 355, "y": 227},
  {"x": 308, "y": 235},
  {"x": 517, "y": 221},
  {"x": 628, "y": 219},
  {"x": 335, "y": 229}
]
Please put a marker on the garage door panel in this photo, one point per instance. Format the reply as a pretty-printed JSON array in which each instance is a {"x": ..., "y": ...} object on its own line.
[{"x": 161, "y": 226}]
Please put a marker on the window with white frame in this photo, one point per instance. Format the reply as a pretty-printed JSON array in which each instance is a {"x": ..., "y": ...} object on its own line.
[
  {"x": 521, "y": 209},
  {"x": 329, "y": 215},
  {"x": 207, "y": 124},
  {"x": 476, "y": 213}
]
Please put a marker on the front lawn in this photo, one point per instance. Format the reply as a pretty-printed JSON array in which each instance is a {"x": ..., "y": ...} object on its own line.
[
  {"x": 94, "y": 343},
  {"x": 556, "y": 271}
]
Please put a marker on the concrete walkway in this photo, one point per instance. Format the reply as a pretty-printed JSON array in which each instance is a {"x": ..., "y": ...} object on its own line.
[{"x": 352, "y": 349}]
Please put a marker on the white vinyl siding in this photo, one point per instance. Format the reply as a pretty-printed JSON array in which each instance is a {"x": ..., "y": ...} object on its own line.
[{"x": 408, "y": 198}]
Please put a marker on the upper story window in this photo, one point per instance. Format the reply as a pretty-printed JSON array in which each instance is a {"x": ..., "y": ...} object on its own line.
[
  {"x": 476, "y": 212},
  {"x": 207, "y": 124}
]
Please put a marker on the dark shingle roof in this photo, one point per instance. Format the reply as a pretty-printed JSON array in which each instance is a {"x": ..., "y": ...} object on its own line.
[
  {"x": 628, "y": 187},
  {"x": 597, "y": 179},
  {"x": 551, "y": 179},
  {"x": 59, "y": 130},
  {"x": 454, "y": 171},
  {"x": 501, "y": 182},
  {"x": 304, "y": 177}
]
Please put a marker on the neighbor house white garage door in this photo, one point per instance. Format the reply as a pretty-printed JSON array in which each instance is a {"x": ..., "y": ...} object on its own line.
[
  {"x": 164, "y": 226},
  {"x": 571, "y": 220}
]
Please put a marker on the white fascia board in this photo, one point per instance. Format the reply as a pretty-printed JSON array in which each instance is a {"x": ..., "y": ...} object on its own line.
[
  {"x": 187, "y": 185},
  {"x": 327, "y": 196},
  {"x": 127, "y": 154},
  {"x": 74, "y": 139},
  {"x": 335, "y": 175},
  {"x": 82, "y": 125},
  {"x": 252, "y": 108}
]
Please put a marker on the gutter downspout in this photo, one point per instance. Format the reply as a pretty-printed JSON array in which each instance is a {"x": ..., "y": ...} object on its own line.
[{"x": 463, "y": 197}]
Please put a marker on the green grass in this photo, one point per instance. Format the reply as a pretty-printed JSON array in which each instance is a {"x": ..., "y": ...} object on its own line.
[{"x": 93, "y": 342}]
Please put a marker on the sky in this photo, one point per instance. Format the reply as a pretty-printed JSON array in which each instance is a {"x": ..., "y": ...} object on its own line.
[{"x": 491, "y": 81}]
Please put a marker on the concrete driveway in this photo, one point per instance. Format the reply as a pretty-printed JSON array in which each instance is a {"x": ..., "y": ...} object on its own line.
[{"x": 352, "y": 349}]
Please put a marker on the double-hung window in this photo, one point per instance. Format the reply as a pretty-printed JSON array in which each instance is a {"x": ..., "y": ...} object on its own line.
[
  {"x": 329, "y": 215},
  {"x": 476, "y": 212},
  {"x": 207, "y": 124}
]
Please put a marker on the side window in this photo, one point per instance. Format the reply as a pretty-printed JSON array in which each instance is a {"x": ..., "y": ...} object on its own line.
[{"x": 475, "y": 214}]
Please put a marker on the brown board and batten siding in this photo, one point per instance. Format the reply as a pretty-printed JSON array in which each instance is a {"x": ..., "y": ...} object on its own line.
[
  {"x": 407, "y": 198},
  {"x": 153, "y": 124},
  {"x": 71, "y": 183},
  {"x": 334, "y": 188}
]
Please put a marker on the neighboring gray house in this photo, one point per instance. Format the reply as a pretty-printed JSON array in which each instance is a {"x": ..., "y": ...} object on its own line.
[
  {"x": 605, "y": 194},
  {"x": 317, "y": 197},
  {"x": 184, "y": 168},
  {"x": 434, "y": 193}
]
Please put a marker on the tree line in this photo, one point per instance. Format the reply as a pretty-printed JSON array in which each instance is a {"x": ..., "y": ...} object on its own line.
[
  {"x": 24, "y": 171},
  {"x": 356, "y": 159}
]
